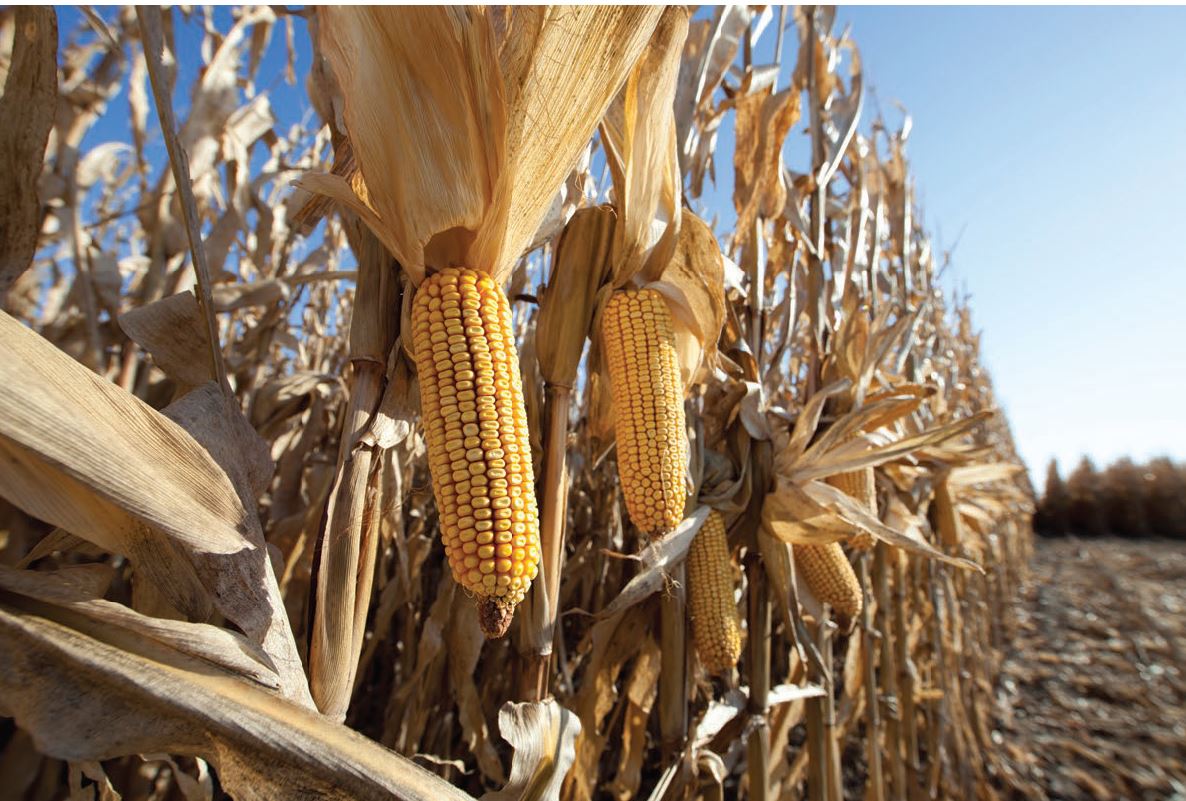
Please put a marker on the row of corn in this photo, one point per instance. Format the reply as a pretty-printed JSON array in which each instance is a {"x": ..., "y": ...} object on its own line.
[{"x": 479, "y": 456}]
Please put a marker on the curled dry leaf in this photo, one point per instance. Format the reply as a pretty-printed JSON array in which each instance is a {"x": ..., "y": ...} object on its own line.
[
  {"x": 83, "y": 582},
  {"x": 465, "y": 649},
  {"x": 853, "y": 455},
  {"x": 805, "y": 426},
  {"x": 763, "y": 121},
  {"x": 711, "y": 49},
  {"x": 74, "y": 600},
  {"x": 228, "y": 297},
  {"x": 983, "y": 473},
  {"x": 734, "y": 703},
  {"x": 58, "y": 540},
  {"x": 174, "y": 332},
  {"x": 816, "y": 513},
  {"x": 790, "y": 514},
  {"x": 657, "y": 559},
  {"x": 907, "y": 537},
  {"x": 543, "y": 735},
  {"x": 394, "y": 419}
]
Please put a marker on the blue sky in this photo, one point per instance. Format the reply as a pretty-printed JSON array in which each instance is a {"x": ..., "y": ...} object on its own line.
[{"x": 1052, "y": 143}]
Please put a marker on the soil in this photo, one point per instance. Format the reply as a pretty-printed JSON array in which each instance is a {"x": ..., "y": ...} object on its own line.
[{"x": 1092, "y": 696}]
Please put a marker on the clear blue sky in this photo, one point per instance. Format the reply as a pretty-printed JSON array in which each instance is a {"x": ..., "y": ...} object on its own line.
[{"x": 1052, "y": 142}]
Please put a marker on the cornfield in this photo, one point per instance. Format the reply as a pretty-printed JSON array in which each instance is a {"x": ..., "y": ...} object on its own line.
[{"x": 444, "y": 445}]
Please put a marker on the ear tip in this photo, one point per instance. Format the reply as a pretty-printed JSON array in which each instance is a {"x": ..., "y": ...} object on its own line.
[{"x": 494, "y": 617}]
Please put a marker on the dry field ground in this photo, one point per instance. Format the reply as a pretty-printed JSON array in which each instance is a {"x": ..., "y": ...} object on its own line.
[{"x": 1092, "y": 696}]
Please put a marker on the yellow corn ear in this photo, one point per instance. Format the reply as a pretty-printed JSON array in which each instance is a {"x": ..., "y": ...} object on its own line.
[
  {"x": 479, "y": 452},
  {"x": 858, "y": 484},
  {"x": 716, "y": 624},
  {"x": 830, "y": 576},
  {"x": 639, "y": 340}
]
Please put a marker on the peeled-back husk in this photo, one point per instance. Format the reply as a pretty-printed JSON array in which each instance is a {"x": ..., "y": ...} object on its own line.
[{"x": 464, "y": 125}]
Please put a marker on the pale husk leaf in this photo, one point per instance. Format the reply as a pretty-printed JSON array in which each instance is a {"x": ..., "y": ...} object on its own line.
[
  {"x": 853, "y": 455},
  {"x": 462, "y": 146},
  {"x": 693, "y": 283},
  {"x": 817, "y": 513},
  {"x": 639, "y": 139},
  {"x": 657, "y": 559}
]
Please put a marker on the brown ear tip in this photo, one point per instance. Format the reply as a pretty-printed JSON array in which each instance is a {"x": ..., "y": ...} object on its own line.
[
  {"x": 845, "y": 622},
  {"x": 494, "y": 617}
]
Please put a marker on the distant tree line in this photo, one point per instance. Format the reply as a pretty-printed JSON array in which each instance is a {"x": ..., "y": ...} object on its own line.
[{"x": 1125, "y": 500}]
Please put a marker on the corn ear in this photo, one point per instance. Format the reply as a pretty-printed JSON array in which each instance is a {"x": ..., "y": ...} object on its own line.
[
  {"x": 479, "y": 450},
  {"x": 716, "y": 624},
  {"x": 639, "y": 341},
  {"x": 831, "y": 579}
]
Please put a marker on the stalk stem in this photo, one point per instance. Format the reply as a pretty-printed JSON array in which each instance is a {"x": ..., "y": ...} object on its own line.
[
  {"x": 553, "y": 511},
  {"x": 888, "y": 674},
  {"x": 758, "y": 747},
  {"x": 673, "y": 677},
  {"x": 876, "y": 781}
]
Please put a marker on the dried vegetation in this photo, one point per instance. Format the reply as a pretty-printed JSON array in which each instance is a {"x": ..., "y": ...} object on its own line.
[{"x": 219, "y": 515}]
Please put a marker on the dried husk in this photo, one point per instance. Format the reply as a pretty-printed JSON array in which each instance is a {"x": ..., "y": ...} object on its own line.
[
  {"x": 580, "y": 269},
  {"x": 459, "y": 136},
  {"x": 639, "y": 138}
]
